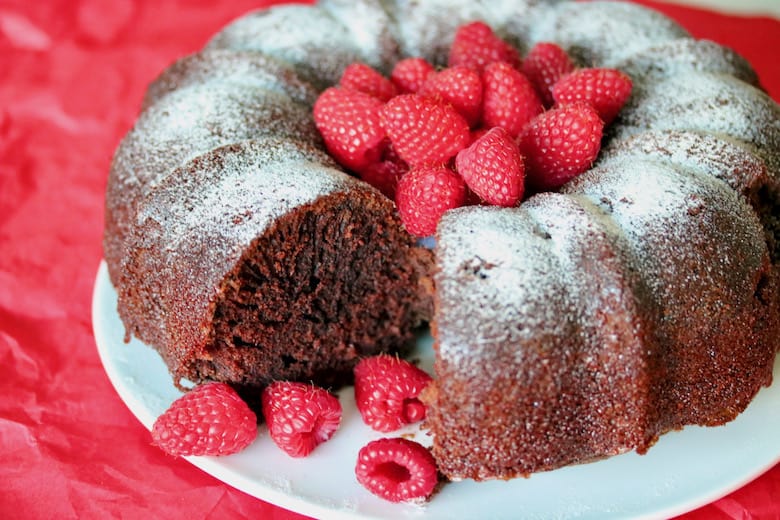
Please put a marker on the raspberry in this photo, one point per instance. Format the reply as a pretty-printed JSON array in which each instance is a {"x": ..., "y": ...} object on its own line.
[
  {"x": 424, "y": 194},
  {"x": 560, "y": 144},
  {"x": 349, "y": 123},
  {"x": 398, "y": 470},
  {"x": 606, "y": 90},
  {"x": 459, "y": 86},
  {"x": 509, "y": 99},
  {"x": 300, "y": 416},
  {"x": 409, "y": 74},
  {"x": 386, "y": 391},
  {"x": 423, "y": 131},
  {"x": 493, "y": 168},
  {"x": 210, "y": 419},
  {"x": 476, "y": 45},
  {"x": 385, "y": 174},
  {"x": 544, "y": 65},
  {"x": 361, "y": 77}
]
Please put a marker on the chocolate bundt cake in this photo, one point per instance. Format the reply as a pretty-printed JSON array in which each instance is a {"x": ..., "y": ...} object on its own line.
[{"x": 642, "y": 297}]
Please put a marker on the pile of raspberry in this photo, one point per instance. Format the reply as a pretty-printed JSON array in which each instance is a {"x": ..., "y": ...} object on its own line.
[
  {"x": 212, "y": 419},
  {"x": 487, "y": 129}
]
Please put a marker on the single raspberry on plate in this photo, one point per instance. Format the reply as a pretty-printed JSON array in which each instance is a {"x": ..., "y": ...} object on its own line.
[
  {"x": 385, "y": 174},
  {"x": 422, "y": 130},
  {"x": 398, "y": 470},
  {"x": 459, "y": 86},
  {"x": 210, "y": 419},
  {"x": 544, "y": 65},
  {"x": 476, "y": 45},
  {"x": 387, "y": 390},
  {"x": 493, "y": 168},
  {"x": 509, "y": 100},
  {"x": 424, "y": 194},
  {"x": 606, "y": 90},
  {"x": 560, "y": 144},
  {"x": 363, "y": 78},
  {"x": 409, "y": 74},
  {"x": 300, "y": 416},
  {"x": 348, "y": 121}
]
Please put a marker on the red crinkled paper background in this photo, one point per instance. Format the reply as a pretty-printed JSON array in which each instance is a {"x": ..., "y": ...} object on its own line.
[{"x": 72, "y": 74}]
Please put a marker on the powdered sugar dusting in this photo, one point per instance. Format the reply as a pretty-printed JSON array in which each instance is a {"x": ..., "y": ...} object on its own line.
[
  {"x": 427, "y": 28},
  {"x": 498, "y": 282},
  {"x": 704, "y": 102},
  {"x": 313, "y": 41},
  {"x": 696, "y": 243},
  {"x": 242, "y": 188},
  {"x": 602, "y": 33},
  {"x": 507, "y": 274},
  {"x": 729, "y": 160},
  {"x": 370, "y": 26},
  {"x": 182, "y": 125},
  {"x": 250, "y": 68},
  {"x": 675, "y": 57}
]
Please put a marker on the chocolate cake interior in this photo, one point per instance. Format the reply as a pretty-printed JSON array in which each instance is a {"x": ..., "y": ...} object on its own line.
[{"x": 339, "y": 262}]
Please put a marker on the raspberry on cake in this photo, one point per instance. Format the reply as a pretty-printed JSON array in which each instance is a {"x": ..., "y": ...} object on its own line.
[
  {"x": 560, "y": 144},
  {"x": 510, "y": 100},
  {"x": 410, "y": 74},
  {"x": 544, "y": 65},
  {"x": 424, "y": 194},
  {"x": 459, "y": 86},
  {"x": 361, "y": 77},
  {"x": 476, "y": 45},
  {"x": 606, "y": 90},
  {"x": 338, "y": 109},
  {"x": 493, "y": 168},
  {"x": 423, "y": 131}
]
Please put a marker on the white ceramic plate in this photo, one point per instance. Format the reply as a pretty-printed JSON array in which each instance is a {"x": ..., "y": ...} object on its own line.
[{"x": 682, "y": 471}]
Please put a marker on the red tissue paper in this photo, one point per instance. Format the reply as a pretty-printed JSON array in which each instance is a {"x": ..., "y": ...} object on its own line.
[{"x": 72, "y": 76}]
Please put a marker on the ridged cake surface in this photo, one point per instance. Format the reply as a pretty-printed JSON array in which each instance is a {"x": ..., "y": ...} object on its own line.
[
  {"x": 683, "y": 55},
  {"x": 249, "y": 68},
  {"x": 308, "y": 37}
]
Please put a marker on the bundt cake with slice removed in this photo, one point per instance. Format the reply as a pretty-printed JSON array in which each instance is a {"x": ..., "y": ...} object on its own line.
[{"x": 642, "y": 297}]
